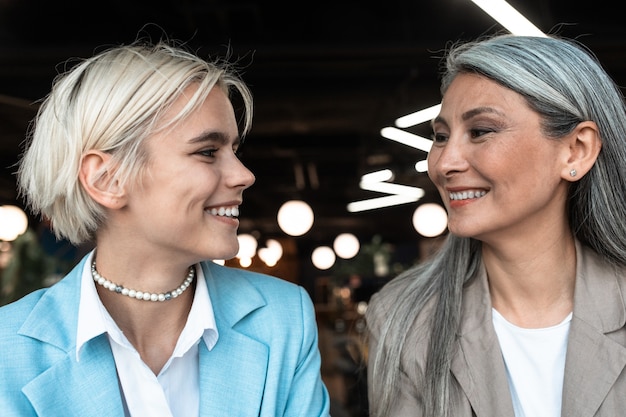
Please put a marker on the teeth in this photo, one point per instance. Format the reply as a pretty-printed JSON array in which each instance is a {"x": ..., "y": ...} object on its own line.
[
  {"x": 226, "y": 211},
  {"x": 467, "y": 195}
]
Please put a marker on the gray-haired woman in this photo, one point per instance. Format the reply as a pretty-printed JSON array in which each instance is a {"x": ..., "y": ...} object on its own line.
[{"x": 522, "y": 311}]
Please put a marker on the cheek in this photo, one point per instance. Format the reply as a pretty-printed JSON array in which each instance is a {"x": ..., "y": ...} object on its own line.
[{"x": 431, "y": 158}]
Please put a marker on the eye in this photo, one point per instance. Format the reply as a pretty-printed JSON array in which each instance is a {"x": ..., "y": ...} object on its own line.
[
  {"x": 477, "y": 133},
  {"x": 208, "y": 152},
  {"x": 439, "y": 138}
]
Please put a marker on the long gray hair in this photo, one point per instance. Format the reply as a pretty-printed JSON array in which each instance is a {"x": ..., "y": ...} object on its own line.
[{"x": 566, "y": 85}]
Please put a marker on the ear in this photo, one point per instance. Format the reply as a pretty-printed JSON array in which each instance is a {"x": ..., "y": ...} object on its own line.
[
  {"x": 97, "y": 179},
  {"x": 584, "y": 146}
]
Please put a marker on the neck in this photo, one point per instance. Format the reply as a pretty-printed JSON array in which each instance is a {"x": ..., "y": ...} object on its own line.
[
  {"x": 153, "y": 328},
  {"x": 532, "y": 286}
]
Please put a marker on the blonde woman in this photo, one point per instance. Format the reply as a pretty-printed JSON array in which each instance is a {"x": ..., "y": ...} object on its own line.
[{"x": 135, "y": 149}]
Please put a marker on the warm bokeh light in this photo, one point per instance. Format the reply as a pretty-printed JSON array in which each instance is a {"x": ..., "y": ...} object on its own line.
[
  {"x": 271, "y": 253},
  {"x": 245, "y": 262},
  {"x": 13, "y": 222},
  {"x": 430, "y": 220},
  {"x": 323, "y": 257},
  {"x": 346, "y": 245},
  {"x": 247, "y": 246},
  {"x": 295, "y": 217}
]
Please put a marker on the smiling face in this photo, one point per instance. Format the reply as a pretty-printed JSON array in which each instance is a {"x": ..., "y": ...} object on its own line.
[
  {"x": 498, "y": 174},
  {"x": 188, "y": 201}
]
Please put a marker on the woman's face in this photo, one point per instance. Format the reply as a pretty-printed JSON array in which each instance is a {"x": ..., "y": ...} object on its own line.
[
  {"x": 498, "y": 175},
  {"x": 187, "y": 203}
]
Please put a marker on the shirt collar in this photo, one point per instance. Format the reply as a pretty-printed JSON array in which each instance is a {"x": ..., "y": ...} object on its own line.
[{"x": 94, "y": 320}]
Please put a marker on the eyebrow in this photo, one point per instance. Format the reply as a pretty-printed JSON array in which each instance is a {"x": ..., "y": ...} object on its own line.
[
  {"x": 470, "y": 114},
  {"x": 214, "y": 136}
]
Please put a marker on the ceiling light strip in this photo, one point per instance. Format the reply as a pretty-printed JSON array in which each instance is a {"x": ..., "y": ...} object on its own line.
[
  {"x": 380, "y": 202},
  {"x": 407, "y": 138},
  {"x": 377, "y": 176},
  {"x": 390, "y": 188},
  {"x": 418, "y": 117},
  {"x": 509, "y": 17}
]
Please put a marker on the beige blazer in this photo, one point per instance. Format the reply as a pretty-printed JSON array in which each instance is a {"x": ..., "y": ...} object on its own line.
[{"x": 595, "y": 376}]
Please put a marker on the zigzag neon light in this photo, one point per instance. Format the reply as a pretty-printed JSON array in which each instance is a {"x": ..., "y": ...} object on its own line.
[{"x": 398, "y": 194}]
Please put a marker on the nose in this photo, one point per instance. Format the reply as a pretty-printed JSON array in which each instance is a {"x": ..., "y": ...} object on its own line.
[
  {"x": 448, "y": 159},
  {"x": 240, "y": 176}
]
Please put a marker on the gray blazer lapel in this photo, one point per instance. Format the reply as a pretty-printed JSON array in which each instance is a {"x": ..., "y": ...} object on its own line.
[
  {"x": 594, "y": 359},
  {"x": 83, "y": 389},
  {"x": 593, "y": 364},
  {"x": 477, "y": 363}
]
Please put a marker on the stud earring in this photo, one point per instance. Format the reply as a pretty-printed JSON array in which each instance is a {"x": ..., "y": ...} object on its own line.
[{"x": 573, "y": 173}]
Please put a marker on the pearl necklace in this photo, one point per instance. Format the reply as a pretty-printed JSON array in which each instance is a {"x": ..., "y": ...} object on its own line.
[{"x": 142, "y": 295}]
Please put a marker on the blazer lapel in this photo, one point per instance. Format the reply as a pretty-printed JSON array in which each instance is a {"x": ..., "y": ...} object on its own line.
[
  {"x": 232, "y": 376},
  {"x": 88, "y": 387},
  {"x": 233, "y": 373},
  {"x": 478, "y": 357},
  {"x": 594, "y": 360}
]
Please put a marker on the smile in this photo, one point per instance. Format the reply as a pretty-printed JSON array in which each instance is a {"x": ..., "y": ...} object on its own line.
[
  {"x": 466, "y": 195},
  {"x": 225, "y": 211}
]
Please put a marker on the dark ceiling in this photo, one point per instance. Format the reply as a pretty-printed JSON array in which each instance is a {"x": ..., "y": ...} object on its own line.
[{"x": 326, "y": 75}]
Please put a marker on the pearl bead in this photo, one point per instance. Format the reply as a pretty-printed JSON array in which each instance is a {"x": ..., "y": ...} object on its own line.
[{"x": 142, "y": 295}]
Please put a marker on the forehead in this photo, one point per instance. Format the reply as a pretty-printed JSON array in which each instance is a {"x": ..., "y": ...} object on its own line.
[
  {"x": 475, "y": 87},
  {"x": 472, "y": 91},
  {"x": 190, "y": 116}
]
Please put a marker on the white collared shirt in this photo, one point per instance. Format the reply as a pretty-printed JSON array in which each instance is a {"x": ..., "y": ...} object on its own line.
[{"x": 175, "y": 392}]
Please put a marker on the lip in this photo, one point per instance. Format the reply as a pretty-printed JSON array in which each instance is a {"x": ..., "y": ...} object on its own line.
[
  {"x": 462, "y": 196},
  {"x": 233, "y": 203},
  {"x": 224, "y": 208}
]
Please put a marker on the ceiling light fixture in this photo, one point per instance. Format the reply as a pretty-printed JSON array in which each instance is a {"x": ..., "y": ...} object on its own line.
[
  {"x": 407, "y": 138},
  {"x": 375, "y": 181},
  {"x": 271, "y": 253},
  {"x": 380, "y": 202},
  {"x": 377, "y": 176},
  {"x": 346, "y": 245},
  {"x": 323, "y": 257},
  {"x": 13, "y": 222},
  {"x": 430, "y": 220},
  {"x": 418, "y": 117},
  {"x": 421, "y": 166},
  {"x": 509, "y": 17},
  {"x": 295, "y": 217},
  {"x": 247, "y": 245}
]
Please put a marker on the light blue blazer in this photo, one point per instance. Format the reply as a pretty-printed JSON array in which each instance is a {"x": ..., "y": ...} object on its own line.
[{"x": 265, "y": 363}]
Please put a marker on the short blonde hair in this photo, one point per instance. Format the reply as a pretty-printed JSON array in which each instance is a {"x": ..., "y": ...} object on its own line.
[{"x": 110, "y": 102}]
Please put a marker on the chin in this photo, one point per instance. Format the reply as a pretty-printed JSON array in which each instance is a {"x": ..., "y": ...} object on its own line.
[
  {"x": 461, "y": 231},
  {"x": 223, "y": 255}
]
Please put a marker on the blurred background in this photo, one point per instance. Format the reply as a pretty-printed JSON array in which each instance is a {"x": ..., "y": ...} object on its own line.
[{"x": 332, "y": 82}]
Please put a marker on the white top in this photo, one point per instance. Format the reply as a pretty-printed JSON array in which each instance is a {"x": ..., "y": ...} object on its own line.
[
  {"x": 535, "y": 364},
  {"x": 175, "y": 392}
]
